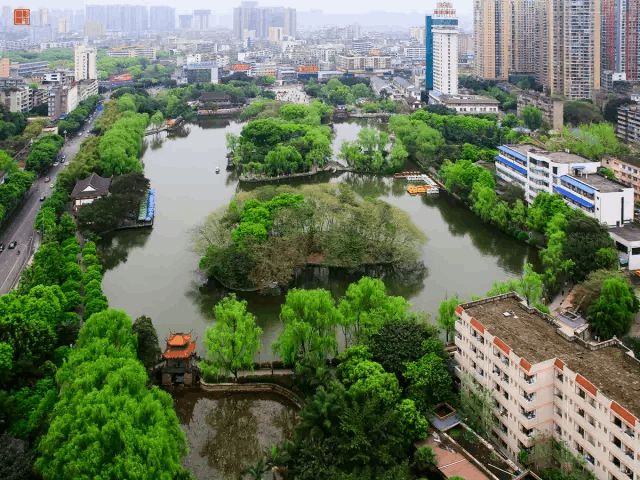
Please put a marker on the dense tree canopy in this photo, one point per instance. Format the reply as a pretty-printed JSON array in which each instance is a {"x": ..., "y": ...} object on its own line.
[
  {"x": 268, "y": 233},
  {"x": 104, "y": 392},
  {"x": 293, "y": 142}
]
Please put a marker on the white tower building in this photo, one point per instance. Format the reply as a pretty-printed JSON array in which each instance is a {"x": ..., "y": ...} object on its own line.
[
  {"x": 85, "y": 63},
  {"x": 445, "y": 48}
]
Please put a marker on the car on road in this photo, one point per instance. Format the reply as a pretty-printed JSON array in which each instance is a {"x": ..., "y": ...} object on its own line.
[
  {"x": 43, "y": 198},
  {"x": 12, "y": 245},
  {"x": 55, "y": 164},
  {"x": 1, "y": 247},
  {"x": 47, "y": 179}
]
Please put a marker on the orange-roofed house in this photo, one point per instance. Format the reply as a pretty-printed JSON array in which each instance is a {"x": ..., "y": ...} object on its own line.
[{"x": 179, "y": 360}]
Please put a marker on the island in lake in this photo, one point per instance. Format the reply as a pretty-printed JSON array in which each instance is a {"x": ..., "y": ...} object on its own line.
[{"x": 265, "y": 236}]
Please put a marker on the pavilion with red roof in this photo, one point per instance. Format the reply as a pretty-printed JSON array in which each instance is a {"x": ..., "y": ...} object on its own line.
[{"x": 179, "y": 359}]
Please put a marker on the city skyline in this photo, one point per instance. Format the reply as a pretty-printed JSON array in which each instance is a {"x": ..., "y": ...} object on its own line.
[{"x": 463, "y": 8}]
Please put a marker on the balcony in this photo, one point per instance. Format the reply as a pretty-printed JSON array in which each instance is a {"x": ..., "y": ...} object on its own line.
[
  {"x": 528, "y": 396},
  {"x": 529, "y": 415},
  {"x": 530, "y": 379}
]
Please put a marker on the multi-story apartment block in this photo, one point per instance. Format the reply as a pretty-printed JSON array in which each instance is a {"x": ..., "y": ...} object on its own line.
[
  {"x": 362, "y": 63},
  {"x": 625, "y": 171},
  {"x": 442, "y": 49},
  {"x": 140, "y": 51},
  {"x": 572, "y": 177},
  {"x": 29, "y": 69},
  {"x": 414, "y": 53},
  {"x": 492, "y": 36},
  {"x": 85, "y": 63},
  {"x": 552, "y": 108},
  {"x": 16, "y": 99},
  {"x": 628, "y": 129},
  {"x": 62, "y": 100},
  {"x": 546, "y": 380},
  {"x": 5, "y": 67}
]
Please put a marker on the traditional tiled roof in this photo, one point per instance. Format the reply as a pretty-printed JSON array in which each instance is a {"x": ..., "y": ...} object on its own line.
[
  {"x": 178, "y": 339},
  {"x": 177, "y": 352},
  {"x": 91, "y": 187}
]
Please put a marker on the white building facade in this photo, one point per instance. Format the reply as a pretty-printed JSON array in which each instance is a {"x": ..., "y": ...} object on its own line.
[
  {"x": 572, "y": 177},
  {"x": 85, "y": 63},
  {"x": 445, "y": 49}
]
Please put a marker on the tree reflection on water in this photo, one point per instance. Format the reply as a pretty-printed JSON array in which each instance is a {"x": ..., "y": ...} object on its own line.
[{"x": 232, "y": 443}]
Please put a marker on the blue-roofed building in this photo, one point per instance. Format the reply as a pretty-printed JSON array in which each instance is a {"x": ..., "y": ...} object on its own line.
[
  {"x": 572, "y": 177},
  {"x": 511, "y": 164}
]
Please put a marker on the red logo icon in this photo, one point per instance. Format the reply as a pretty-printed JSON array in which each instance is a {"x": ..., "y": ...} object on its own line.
[{"x": 21, "y": 16}]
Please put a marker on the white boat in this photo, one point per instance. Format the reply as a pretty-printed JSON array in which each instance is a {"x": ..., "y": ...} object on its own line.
[{"x": 217, "y": 169}]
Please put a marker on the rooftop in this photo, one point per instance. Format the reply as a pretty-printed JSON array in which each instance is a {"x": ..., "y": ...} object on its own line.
[
  {"x": 178, "y": 339},
  {"x": 562, "y": 157},
  {"x": 463, "y": 99},
  {"x": 523, "y": 149},
  {"x": 629, "y": 232},
  {"x": 91, "y": 187},
  {"x": 600, "y": 183},
  {"x": 533, "y": 337}
]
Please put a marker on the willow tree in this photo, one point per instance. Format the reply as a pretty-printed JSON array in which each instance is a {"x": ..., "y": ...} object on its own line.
[
  {"x": 233, "y": 340},
  {"x": 310, "y": 318}
]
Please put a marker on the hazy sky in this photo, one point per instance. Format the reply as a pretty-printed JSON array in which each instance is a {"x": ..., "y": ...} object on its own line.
[{"x": 464, "y": 7}]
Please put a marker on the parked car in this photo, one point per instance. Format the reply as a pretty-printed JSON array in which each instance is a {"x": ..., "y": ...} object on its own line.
[
  {"x": 1, "y": 247},
  {"x": 55, "y": 164},
  {"x": 47, "y": 179},
  {"x": 12, "y": 245},
  {"x": 43, "y": 198}
]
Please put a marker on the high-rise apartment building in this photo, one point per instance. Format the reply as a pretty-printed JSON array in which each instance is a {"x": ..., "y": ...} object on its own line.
[
  {"x": 620, "y": 39},
  {"x": 523, "y": 35},
  {"x": 252, "y": 21},
  {"x": 441, "y": 40},
  {"x": 162, "y": 19},
  {"x": 119, "y": 18},
  {"x": 492, "y": 35},
  {"x": 573, "y": 48},
  {"x": 202, "y": 19},
  {"x": 85, "y": 63},
  {"x": 558, "y": 40}
]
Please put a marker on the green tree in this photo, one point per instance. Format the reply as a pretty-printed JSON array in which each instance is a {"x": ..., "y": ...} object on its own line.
[
  {"x": 447, "y": 315},
  {"x": 233, "y": 340},
  {"x": 530, "y": 285},
  {"x": 310, "y": 318},
  {"x": 477, "y": 407},
  {"x": 148, "y": 348},
  {"x": 429, "y": 381},
  {"x": 157, "y": 119},
  {"x": 585, "y": 237},
  {"x": 365, "y": 307},
  {"x": 403, "y": 340},
  {"x": 532, "y": 117},
  {"x": 613, "y": 313}
]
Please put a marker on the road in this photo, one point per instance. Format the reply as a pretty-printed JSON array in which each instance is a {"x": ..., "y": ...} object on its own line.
[{"x": 20, "y": 227}]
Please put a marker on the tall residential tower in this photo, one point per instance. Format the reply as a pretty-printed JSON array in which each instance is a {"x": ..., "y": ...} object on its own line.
[
  {"x": 441, "y": 40},
  {"x": 492, "y": 34}
]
